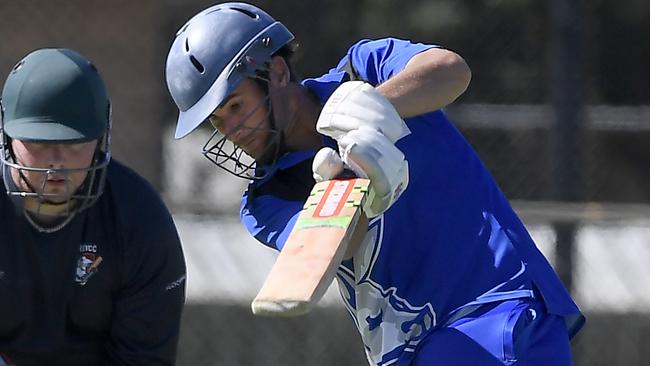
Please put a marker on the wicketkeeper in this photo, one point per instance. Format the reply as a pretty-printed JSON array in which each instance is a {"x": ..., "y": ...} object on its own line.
[{"x": 91, "y": 267}]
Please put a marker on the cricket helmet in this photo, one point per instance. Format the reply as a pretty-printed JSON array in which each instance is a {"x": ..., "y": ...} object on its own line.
[
  {"x": 213, "y": 52},
  {"x": 56, "y": 96}
]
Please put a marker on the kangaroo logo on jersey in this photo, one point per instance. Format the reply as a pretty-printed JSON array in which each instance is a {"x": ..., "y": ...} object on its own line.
[
  {"x": 389, "y": 324},
  {"x": 88, "y": 263}
]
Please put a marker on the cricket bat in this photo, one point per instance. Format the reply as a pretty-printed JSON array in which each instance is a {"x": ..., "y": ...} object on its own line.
[{"x": 308, "y": 262}]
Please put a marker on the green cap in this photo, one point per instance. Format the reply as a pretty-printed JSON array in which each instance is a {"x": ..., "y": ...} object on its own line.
[{"x": 55, "y": 95}]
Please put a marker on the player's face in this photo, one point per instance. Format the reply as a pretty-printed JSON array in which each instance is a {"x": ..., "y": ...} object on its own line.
[
  {"x": 59, "y": 183},
  {"x": 243, "y": 118}
]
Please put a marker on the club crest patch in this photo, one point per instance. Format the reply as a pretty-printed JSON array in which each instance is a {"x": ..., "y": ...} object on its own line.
[{"x": 87, "y": 264}]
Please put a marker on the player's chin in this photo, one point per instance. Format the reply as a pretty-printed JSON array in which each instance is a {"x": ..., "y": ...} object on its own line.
[
  {"x": 57, "y": 199},
  {"x": 57, "y": 194},
  {"x": 252, "y": 150}
]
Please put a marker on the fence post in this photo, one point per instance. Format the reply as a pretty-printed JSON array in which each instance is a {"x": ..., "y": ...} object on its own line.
[{"x": 564, "y": 58}]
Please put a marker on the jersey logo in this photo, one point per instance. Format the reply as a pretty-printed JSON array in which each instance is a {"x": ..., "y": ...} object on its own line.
[
  {"x": 389, "y": 324},
  {"x": 88, "y": 263},
  {"x": 176, "y": 283}
]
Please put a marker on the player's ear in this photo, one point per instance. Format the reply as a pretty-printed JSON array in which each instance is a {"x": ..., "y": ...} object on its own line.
[{"x": 279, "y": 73}]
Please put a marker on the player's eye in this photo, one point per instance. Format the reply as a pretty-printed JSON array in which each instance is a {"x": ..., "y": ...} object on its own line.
[
  {"x": 37, "y": 146},
  {"x": 235, "y": 107},
  {"x": 79, "y": 148}
]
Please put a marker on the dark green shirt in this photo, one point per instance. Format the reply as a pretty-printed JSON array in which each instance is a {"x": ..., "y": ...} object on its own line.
[{"x": 56, "y": 310}]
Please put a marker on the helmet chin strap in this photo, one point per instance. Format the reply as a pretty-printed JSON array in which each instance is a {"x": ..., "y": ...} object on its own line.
[
  {"x": 37, "y": 223},
  {"x": 277, "y": 144},
  {"x": 48, "y": 209},
  {"x": 47, "y": 217}
]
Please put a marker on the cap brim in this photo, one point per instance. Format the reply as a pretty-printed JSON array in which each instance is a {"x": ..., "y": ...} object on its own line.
[
  {"x": 190, "y": 119},
  {"x": 44, "y": 131}
]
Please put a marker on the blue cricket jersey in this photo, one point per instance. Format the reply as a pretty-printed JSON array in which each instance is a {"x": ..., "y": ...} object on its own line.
[{"x": 451, "y": 243}]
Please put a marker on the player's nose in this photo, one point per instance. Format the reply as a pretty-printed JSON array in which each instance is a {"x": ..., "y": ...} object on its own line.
[{"x": 55, "y": 156}]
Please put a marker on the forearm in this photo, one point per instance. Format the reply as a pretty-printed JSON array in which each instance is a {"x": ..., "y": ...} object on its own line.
[{"x": 431, "y": 80}]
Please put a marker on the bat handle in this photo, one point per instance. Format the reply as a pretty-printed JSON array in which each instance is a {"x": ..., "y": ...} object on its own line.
[{"x": 346, "y": 174}]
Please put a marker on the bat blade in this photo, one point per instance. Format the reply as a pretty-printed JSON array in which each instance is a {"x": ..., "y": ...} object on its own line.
[{"x": 313, "y": 251}]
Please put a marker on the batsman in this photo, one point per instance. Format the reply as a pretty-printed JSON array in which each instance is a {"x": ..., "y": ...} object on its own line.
[{"x": 444, "y": 272}]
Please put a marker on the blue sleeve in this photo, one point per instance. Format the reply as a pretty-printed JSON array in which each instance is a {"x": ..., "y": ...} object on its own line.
[
  {"x": 269, "y": 219},
  {"x": 378, "y": 60}
]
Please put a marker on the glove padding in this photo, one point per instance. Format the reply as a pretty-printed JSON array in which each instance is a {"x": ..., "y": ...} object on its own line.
[
  {"x": 369, "y": 154},
  {"x": 366, "y": 126},
  {"x": 327, "y": 164},
  {"x": 356, "y": 103}
]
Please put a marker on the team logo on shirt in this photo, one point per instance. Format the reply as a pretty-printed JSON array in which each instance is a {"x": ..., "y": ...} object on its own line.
[
  {"x": 88, "y": 263},
  {"x": 390, "y": 325}
]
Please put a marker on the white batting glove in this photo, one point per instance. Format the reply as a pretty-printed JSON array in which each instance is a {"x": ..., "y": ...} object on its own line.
[
  {"x": 372, "y": 155},
  {"x": 366, "y": 126},
  {"x": 369, "y": 154},
  {"x": 357, "y": 103},
  {"x": 327, "y": 164}
]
